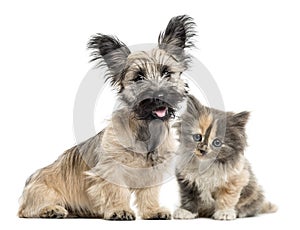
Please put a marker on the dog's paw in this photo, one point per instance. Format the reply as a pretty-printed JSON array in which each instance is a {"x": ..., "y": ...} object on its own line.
[
  {"x": 53, "y": 211},
  {"x": 159, "y": 214},
  {"x": 228, "y": 214},
  {"x": 120, "y": 215},
  {"x": 181, "y": 213},
  {"x": 242, "y": 214}
]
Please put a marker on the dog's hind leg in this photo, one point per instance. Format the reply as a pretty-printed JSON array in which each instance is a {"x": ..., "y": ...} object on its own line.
[
  {"x": 40, "y": 201},
  {"x": 53, "y": 211}
]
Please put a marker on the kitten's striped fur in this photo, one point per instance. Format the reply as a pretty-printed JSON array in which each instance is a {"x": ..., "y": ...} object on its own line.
[{"x": 217, "y": 182}]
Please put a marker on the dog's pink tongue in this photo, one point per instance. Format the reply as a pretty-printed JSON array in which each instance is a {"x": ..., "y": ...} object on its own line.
[{"x": 161, "y": 112}]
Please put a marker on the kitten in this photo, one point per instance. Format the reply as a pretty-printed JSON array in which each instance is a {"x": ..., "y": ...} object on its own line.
[{"x": 214, "y": 177}]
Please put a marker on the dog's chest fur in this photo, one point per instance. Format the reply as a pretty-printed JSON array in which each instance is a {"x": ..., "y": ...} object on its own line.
[{"x": 130, "y": 162}]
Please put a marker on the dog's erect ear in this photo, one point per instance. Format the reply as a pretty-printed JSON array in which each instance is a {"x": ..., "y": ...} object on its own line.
[
  {"x": 177, "y": 35},
  {"x": 110, "y": 52}
]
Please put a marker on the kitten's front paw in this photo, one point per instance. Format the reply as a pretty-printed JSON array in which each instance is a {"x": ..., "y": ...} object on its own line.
[
  {"x": 160, "y": 214},
  {"x": 181, "y": 213},
  {"x": 228, "y": 214}
]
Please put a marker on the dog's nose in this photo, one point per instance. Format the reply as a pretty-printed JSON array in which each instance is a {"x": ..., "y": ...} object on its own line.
[{"x": 159, "y": 95}]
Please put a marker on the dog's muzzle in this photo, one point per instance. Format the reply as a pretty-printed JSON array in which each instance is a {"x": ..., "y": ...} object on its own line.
[{"x": 154, "y": 108}]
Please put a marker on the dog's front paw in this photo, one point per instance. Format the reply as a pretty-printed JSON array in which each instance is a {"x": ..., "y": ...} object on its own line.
[
  {"x": 53, "y": 211},
  {"x": 228, "y": 214},
  {"x": 120, "y": 215},
  {"x": 158, "y": 214},
  {"x": 181, "y": 213}
]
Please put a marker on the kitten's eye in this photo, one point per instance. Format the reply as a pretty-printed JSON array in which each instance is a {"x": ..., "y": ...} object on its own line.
[
  {"x": 217, "y": 143},
  {"x": 197, "y": 137}
]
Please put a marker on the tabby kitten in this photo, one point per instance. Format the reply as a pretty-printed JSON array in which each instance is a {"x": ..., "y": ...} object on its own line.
[{"x": 214, "y": 177}]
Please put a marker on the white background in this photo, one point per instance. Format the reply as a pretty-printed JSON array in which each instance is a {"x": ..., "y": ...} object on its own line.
[{"x": 252, "y": 49}]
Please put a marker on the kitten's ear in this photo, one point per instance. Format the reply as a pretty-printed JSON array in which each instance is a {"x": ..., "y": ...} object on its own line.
[
  {"x": 241, "y": 119},
  {"x": 177, "y": 35},
  {"x": 194, "y": 107},
  {"x": 110, "y": 52}
]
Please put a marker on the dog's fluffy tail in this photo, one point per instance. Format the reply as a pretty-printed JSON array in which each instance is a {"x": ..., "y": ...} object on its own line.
[{"x": 268, "y": 207}]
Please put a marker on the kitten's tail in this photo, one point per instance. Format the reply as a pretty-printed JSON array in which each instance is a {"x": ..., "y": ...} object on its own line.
[{"x": 268, "y": 207}]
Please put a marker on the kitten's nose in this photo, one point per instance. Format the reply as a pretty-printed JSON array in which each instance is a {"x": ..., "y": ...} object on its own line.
[
  {"x": 203, "y": 152},
  {"x": 202, "y": 148}
]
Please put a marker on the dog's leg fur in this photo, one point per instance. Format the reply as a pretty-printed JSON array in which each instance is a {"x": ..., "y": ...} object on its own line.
[
  {"x": 148, "y": 204},
  {"x": 112, "y": 201},
  {"x": 42, "y": 202},
  {"x": 58, "y": 190}
]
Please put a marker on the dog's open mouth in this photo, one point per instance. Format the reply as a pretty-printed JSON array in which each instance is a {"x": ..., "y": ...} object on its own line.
[
  {"x": 160, "y": 112},
  {"x": 152, "y": 108}
]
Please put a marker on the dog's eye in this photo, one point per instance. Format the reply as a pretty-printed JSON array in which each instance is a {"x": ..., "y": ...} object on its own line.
[
  {"x": 197, "y": 137},
  {"x": 139, "y": 77},
  {"x": 166, "y": 74},
  {"x": 217, "y": 142}
]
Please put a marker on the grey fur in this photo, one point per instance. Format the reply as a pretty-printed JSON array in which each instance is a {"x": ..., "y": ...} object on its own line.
[{"x": 220, "y": 182}]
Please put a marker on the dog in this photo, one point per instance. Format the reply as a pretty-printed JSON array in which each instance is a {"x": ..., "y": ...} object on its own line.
[{"x": 133, "y": 153}]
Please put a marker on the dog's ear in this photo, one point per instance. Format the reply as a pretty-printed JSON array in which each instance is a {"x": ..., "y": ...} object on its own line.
[
  {"x": 110, "y": 52},
  {"x": 177, "y": 35}
]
